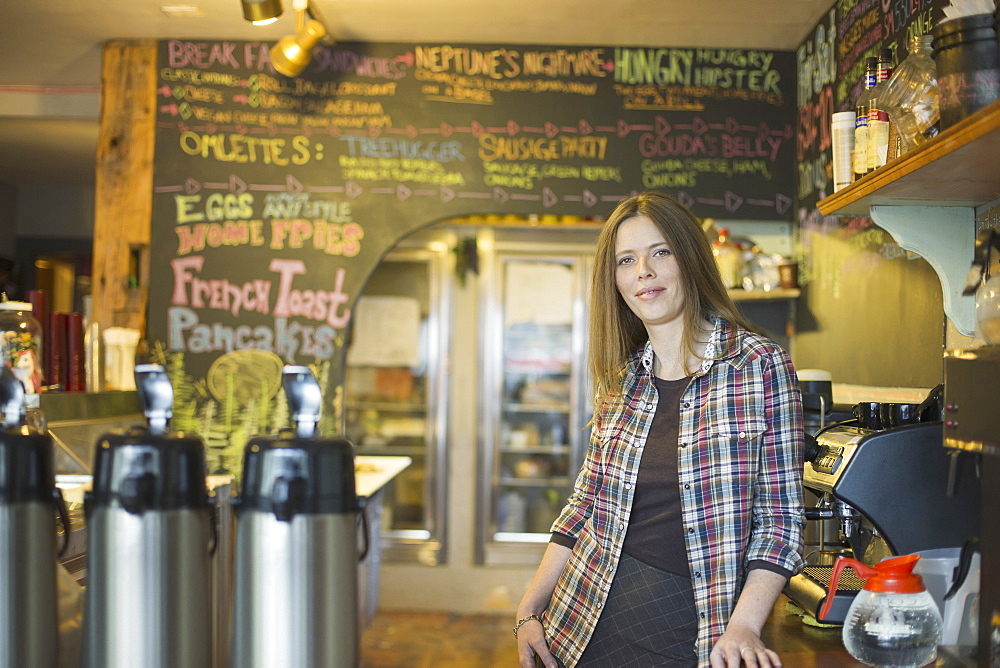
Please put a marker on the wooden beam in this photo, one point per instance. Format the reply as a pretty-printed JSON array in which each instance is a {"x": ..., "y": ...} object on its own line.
[{"x": 124, "y": 184}]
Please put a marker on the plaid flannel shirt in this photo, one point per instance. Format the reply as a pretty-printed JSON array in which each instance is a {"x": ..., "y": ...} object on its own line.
[{"x": 740, "y": 475}]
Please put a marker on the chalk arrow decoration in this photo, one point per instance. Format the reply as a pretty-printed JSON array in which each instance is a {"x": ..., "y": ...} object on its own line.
[
  {"x": 733, "y": 201},
  {"x": 353, "y": 189},
  {"x": 782, "y": 203},
  {"x": 237, "y": 185},
  {"x": 549, "y": 198}
]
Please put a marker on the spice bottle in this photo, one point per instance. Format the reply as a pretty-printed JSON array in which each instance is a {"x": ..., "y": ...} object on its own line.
[
  {"x": 878, "y": 117},
  {"x": 861, "y": 120},
  {"x": 21, "y": 344}
]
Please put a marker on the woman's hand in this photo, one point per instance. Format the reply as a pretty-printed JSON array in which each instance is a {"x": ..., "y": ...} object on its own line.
[
  {"x": 531, "y": 634},
  {"x": 741, "y": 646},
  {"x": 531, "y": 642},
  {"x": 741, "y": 642}
]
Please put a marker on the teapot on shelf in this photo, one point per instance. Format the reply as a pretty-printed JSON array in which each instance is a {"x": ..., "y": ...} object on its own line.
[{"x": 893, "y": 620}]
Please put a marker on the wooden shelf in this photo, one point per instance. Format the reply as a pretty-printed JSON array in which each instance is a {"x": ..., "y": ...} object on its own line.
[
  {"x": 928, "y": 200},
  {"x": 387, "y": 406},
  {"x": 763, "y": 295},
  {"x": 957, "y": 168},
  {"x": 535, "y": 450},
  {"x": 559, "y": 409},
  {"x": 416, "y": 451},
  {"x": 557, "y": 481}
]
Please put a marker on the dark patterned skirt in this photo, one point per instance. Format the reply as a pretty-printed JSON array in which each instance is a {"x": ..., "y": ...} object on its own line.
[{"x": 649, "y": 619}]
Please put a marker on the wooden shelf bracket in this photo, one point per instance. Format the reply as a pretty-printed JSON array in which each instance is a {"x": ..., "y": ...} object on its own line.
[{"x": 944, "y": 236}]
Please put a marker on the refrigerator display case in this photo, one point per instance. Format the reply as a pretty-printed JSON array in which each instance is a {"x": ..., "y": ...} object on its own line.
[
  {"x": 534, "y": 402},
  {"x": 394, "y": 401}
]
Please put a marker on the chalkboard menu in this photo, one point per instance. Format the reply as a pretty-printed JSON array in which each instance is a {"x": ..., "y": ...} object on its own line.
[{"x": 274, "y": 197}]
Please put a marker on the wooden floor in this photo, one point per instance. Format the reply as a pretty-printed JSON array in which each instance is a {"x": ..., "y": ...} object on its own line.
[
  {"x": 441, "y": 640},
  {"x": 438, "y": 640}
]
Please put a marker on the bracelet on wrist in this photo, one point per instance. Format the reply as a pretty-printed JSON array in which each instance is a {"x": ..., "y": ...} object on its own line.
[{"x": 522, "y": 621}]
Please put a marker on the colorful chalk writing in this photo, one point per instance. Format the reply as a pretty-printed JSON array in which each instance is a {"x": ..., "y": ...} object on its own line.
[
  {"x": 275, "y": 197},
  {"x": 830, "y": 64}
]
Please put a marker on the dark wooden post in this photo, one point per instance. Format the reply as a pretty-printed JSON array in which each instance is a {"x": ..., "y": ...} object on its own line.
[{"x": 123, "y": 200}]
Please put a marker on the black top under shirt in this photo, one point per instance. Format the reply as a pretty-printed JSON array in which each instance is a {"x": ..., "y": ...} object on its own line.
[{"x": 655, "y": 534}]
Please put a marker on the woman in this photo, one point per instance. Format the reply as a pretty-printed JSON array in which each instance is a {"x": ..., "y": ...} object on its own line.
[{"x": 677, "y": 561}]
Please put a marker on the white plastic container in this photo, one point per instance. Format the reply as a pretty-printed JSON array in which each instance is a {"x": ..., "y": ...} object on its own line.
[
  {"x": 959, "y": 614},
  {"x": 843, "y": 146},
  {"x": 120, "y": 344}
]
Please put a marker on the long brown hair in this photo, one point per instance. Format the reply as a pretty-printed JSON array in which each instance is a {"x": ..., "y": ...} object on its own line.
[{"x": 615, "y": 332}]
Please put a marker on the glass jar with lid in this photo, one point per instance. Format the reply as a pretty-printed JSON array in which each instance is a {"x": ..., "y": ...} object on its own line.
[{"x": 21, "y": 344}]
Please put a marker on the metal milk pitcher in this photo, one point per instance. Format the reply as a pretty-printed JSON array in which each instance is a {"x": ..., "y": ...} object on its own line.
[
  {"x": 150, "y": 522},
  {"x": 28, "y": 501},
  {"x": 296, "y": 597}
]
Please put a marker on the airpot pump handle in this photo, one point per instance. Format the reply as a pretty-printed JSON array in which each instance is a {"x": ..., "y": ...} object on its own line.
[
  {"x": 304, "y": 399},
  {"x": 156, "y": 396},
  {"x": 11, "y": 398}
]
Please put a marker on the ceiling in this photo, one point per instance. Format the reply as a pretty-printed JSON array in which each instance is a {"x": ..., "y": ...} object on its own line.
[{"x": 49, "y": 89}]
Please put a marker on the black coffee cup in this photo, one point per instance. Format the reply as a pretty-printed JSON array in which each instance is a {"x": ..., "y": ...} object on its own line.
[
  {"x": 897, "y": 415},
  {"x": 868, "y": 414}
]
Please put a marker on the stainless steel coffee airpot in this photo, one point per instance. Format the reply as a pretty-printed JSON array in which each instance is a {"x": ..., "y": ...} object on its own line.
[
  {"x": 296, "y": 602},
  {"x": 29, "y": 502},
  {"x": 150, "y": 531}
]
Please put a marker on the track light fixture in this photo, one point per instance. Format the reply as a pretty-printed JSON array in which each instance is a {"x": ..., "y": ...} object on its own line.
[
  {"x": 293, "y": 52},
  {"x": 261, "y": 12}
]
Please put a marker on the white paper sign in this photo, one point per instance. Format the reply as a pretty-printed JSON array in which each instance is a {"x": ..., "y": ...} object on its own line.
[
  {"x": 386, "y": 332},
  {"x": 540, "y": 293}
]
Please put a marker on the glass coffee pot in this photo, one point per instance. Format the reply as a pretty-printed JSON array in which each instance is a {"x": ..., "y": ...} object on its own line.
[{"x": 893, "y": 620}]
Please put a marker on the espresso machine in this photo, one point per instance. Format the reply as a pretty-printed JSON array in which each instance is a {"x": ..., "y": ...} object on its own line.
[{"x": 891, "y": 487}]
